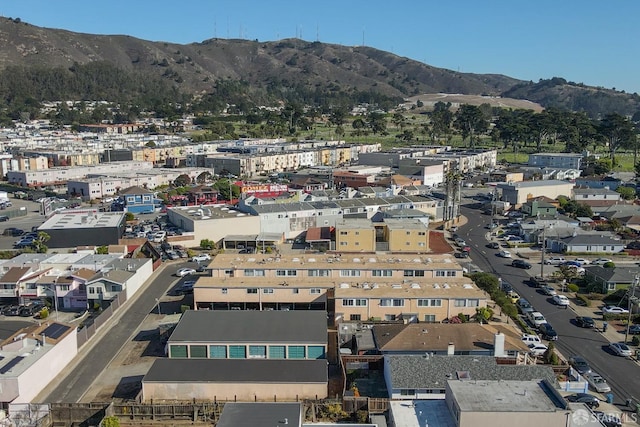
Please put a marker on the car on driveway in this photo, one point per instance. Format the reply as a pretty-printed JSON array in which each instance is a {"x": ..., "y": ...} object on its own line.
[
  {"x": 201, "y": 258},
  {"x": 185, "y": 272},
  {"x": 588, "y": 399},
  {"x": 608, "y": 419},
  {"x": 612, "y": 309},
  {"x": 634, "y": 329},
  {"x": 504, "y": 254},
  {"x": 537, "y": 349},
  {"x": 601, "y": 261},
  {"x": 580, "y": 364},
  {"x": 620, "y": 349},
  {"x": 531, "y": 339},
  {"x": 597, "y": 383},
  {"x": 548, "y": 290},
  {"x": 519, "y": 263},
  {"x": 585, "y": 322},
  {"x": 561, "y": 300}
]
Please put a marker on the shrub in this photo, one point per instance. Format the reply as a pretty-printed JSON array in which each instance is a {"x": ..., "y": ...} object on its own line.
[
  {"x": 184, "y": 308},
  {"x": 110, "y": 422},
  {"x": 44, "y": 313},
  {"x": 635, "y": 340},
  {"x": 572, "y": 287},
  {"x": 583, "y": 300},
  {"x": 608, "y": 265}
]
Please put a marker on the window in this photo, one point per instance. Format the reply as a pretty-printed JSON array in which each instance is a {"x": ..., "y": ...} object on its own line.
[
  {"x": 355, "y": 317},
  {"x": 314, "y": 291},
  {"x": 445, "y": 273},
  {"x": 392, "y": 302},
  {"x": 424, "y": 302},
  {"x": 343, "y": 233},
  {"x": 473, "y": 303},
  {"x": 350, "y": 302},
  {"x": 315, "y": 352},
  {"x": 381, "y": 273},
  {"x": 267, "y": 291},
  {"x": 296, "y": 352},
  {"x": 254, "y": 273},
  {"x": 277, "y": 352},
  {"x": 237, "y": 352},
  {"x": 218, "y": 351},
  {"x": 319, "y": 273},
  {"x": 389, "y": 317},
  {"x": 286, "y": 273},
  {"x": 422, "y": 233},
  {"x": 198, "y": 351},
  {"x": 413, "y": 273},
  {"x": 225, "y": 290},
  {"x": 430, "y": 318},
  {"x": 295, "y": 290},
  {"x": 257, "y": 352},
  {"x": 407, "y": 392},
  {"x": 357, "y": 233},
  {"x": 349, "y": 273},
  {"x": 178, "y": 351},
  {"x": 460, "y": 303},
  {"x": 343, "y": 243},
  {"x": 252, "y": 290}
]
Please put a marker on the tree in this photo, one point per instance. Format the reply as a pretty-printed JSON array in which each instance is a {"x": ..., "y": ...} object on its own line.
[
  {"x": 129, "y": 216},
  {"x": 39, "y": 243},
  {"x": 617, "y": 131},
  {"x": 102, "y": 250},
  {"x": 470, "y": 121},
  {"x": 441, "y": 119},
  {"x": 377, "y": 123},
  {"x": 627, "y": 193},
  {"x": 182, "y": 181},
  {"x": 207, "y": 244},
  {"x": 484, "y": 314},
  {"x": 486, "y": 281},
  {"x": 550, "y": 357}
]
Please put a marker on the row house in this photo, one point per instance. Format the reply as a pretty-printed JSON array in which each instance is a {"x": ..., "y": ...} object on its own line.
[
  {"x": 96, "y": 188},
  {"x": 413, "y": 289}
]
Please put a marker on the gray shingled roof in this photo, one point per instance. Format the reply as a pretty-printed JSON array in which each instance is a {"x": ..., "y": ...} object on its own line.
[
  {"x": 262, "y": 414},
  {"x": 419, "y": 372},
  {"x": 247, "y": 326},
  {"x": 237, "y": 371}
]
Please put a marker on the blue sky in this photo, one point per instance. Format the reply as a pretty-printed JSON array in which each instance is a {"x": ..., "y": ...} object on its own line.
[{"x": 585, "y": 41}]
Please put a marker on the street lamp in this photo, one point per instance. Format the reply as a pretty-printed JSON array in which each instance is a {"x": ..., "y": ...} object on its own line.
[{"x": 158, "y": 304}]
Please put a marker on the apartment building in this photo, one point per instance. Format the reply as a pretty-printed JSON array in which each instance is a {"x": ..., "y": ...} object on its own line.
[
  {"x": 556, "y": 160},
  {"x": 394, "y": 235},
  {"x": 416, "y": 288}
]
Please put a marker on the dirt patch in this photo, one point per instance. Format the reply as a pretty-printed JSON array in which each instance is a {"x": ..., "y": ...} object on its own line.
[{"x": 438, "y": 244}]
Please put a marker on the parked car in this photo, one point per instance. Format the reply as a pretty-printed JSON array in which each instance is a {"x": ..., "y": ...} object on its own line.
[
  {"x": 582, "y": 261},
  {"x": 601, "y": 261},
  {"x": 187, "y": 287},
  {"x": 531, "y": 339},
  {"x": 201, "y": 258},
  {"x": 12, "y": 310},
  {"x": 460, "y": 242},
  {"x": 173, "y": 255},
  {"x": 588, "y": 399},
  {"x": 608, "y": 420},
  {"x": 612, "y": 309},
  {"x": 519, "y": 263},
  {"x": 634, "y": 329},
  {"x": 580, "y": 364},
  {"x": 504, "y": 254},
  {"x": 558, "y": 260},
  {"x": 585, "y": 322},
  {"x": 13, "y": 232},
  {"x": 493, "y": 245},
  {"x": 185, "y": 272},
  {"x": 536, "y": 319},
  {"x": 561, "y": 300},
  {"x": 571, "y": 264},
  {"x": 548, "y": 290},
  {"x": 620, "y": 349},
  {"x": 597, "y": 383},
  {"x": 537, "y": 349},
  {"x": 547, "y": 332}
]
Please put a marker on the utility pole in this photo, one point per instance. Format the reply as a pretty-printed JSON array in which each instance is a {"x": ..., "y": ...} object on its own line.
[
  {"x": 630, "y": 300},
  {"x": 544, "y": 249}
]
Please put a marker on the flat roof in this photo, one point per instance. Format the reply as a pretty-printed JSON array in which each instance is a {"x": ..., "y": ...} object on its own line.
[
  {"x": 82, "y": 219},
  {"x": 204, "y": 213},
  {"x": 260, "y": 414},
  {"x": 405, "y": 223},
  {"x": 419, "y": 413},
  {"x": 209, "y": 326},
  {"x": 502, "y": 396},
  {"x": 237, "y": 371},
  {"x": 528, "y": 184}
]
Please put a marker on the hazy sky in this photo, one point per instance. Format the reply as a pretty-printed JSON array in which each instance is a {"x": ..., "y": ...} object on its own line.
[{"x": 584, "y": 41}]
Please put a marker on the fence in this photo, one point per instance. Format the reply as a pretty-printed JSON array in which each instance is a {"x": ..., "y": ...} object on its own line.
[{"x": 91, "y": 327}]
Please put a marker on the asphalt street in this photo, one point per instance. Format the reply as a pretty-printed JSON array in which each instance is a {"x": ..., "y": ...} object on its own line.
[
  {"x": 70, "y": 386},
  {"x": 622, "y": 374}
]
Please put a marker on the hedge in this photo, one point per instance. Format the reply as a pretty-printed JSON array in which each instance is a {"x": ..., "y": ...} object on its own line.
[{"x": 584, "y": 300}]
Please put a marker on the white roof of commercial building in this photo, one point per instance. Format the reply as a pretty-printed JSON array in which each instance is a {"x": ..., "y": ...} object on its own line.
[
  {"x": 528, "y": 184},
  {"x": 418, "y": 413},
  {"x": 82, "y": 219}
]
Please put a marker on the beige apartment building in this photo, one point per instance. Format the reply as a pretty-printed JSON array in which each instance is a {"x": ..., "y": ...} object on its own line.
[
  {"x": 397, "y": 235},
  {"x": 409, "y": 288}
]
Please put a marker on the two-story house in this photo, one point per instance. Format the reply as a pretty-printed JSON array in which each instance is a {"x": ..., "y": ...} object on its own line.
[{"x": 138, "y": 200}]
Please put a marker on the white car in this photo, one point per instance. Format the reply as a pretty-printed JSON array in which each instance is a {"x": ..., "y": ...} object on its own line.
[
  {"x": 185, "y": 272},
  {"x": 597, "y": 383},
  {"x": 612, "y": 309},
  {"x": 582, "y": 261},
  {"x": 554, "y": 260},
  {"x": 531, "y": 339},
  {"x": 560, "y": 300},
  {"x": 537, "y": 349},
  {"x": 620, "y": 349},
  {"x": 201, "y": 258},
  {"x": 504, "y": 254},
  {"x": 600, "y": 261},
  {"x": 548, "y": 290}
]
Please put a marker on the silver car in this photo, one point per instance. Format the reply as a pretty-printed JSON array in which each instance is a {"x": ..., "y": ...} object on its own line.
[{"x": 597, "y": 383}]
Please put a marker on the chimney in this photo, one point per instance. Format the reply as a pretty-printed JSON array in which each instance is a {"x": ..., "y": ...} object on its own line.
[
  {"x": 44, "y": 340},
  {"x": 451, "y": 349},
  {"x": 498, "y": 345}
]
